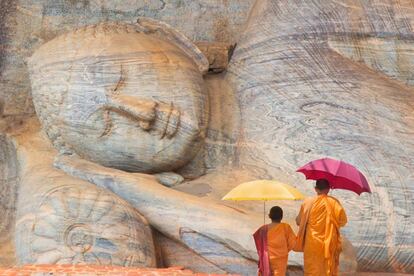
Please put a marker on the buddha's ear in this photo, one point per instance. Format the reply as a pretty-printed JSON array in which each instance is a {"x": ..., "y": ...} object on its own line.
[{"x": 165, "y": 31}]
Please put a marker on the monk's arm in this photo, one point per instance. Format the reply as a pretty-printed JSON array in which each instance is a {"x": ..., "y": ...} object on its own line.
[
  {"x": 291, "y": 238},
  {"x": 299, "y": 216},
  {"x": 342, "y": 217}
]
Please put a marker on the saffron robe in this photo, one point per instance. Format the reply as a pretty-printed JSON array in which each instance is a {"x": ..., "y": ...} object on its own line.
[
  {"x": 273, "y": 243},
  {"x": 319, "y": 221}
]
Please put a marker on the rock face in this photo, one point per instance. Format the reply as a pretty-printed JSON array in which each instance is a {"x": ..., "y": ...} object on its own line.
[
  {"x": 77, "y": 225},
  {"x": 218, "y": 233},
  {"x": 56, "y": 269},
  {"x": 9, "y": 179},
  {"x": 125, "y": 96},
  {"x": 301, "y": 99},
  {"x": 218, "y": 55},
  {"x": 64, "y": 219},
  {"x": 27, "y": 24},
  {"x": 109, "y": 84},
  {"x": 61, "y": 220},
  {"x": 307, "y": 79},
  {"x": 392, "y": 56}
]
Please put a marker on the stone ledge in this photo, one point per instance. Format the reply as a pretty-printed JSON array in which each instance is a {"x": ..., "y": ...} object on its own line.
[{"x": 68, "y": 269}]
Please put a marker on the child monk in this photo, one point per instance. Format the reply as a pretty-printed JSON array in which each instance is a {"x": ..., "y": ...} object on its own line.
[{"x": 273, "y": 243}]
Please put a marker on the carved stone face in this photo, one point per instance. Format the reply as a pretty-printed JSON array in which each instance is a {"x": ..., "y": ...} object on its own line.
[{"x": 121, "y": 97}]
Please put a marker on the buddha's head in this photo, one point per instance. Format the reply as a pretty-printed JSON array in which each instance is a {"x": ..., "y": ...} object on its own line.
[{"x": 125, "y": 96}]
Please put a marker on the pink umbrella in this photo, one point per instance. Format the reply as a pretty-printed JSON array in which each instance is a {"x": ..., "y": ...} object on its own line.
[{"x": 340, "y": 174}]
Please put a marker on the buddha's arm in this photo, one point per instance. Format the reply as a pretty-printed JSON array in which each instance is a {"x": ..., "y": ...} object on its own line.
[{"x": 170, "y": 211}]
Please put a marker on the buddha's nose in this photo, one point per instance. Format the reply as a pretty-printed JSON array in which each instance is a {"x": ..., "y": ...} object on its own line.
[
  {"x": 155, "y": 117},
  {"x": 140, "y": 110}
]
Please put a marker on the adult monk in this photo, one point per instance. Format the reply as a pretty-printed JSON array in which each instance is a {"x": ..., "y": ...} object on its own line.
[
  {"x": 319, "y": 238},
  {"x": 273, "y": 243}
]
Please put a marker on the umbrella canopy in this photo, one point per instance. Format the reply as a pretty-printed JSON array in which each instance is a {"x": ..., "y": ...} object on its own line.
[
  {"x": 263, "y": 190},
  {"x": 340, "y": 174}
]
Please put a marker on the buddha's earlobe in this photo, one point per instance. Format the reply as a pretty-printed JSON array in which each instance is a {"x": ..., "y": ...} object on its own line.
[{"x": 165, "y": 31}]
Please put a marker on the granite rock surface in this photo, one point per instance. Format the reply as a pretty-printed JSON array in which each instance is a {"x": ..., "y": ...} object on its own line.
[
  {"x": 25, "y": 25},
  {"x": 303, "y": 95}
]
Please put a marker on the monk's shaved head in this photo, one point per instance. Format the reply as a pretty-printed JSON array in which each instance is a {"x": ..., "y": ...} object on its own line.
[
  {"x": 276, "y": 214},
  {"x": 322, "y": 185}
]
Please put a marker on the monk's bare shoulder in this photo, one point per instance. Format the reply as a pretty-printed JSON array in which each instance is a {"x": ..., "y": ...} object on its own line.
[{"x": 308, "y": 200}]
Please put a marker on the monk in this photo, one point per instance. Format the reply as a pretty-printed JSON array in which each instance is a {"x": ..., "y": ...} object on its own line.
[
  {"x": 273, "y": 243},
  {"x": 319, "y": 238}
]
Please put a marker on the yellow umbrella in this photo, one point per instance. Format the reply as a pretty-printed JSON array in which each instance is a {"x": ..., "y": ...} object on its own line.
[{"x": 264, "y": 190}]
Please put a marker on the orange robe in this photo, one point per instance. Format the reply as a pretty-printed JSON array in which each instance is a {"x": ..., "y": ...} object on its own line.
[
  {"x": 280, "y": 240},
  {"x": 319, "y": 221}
]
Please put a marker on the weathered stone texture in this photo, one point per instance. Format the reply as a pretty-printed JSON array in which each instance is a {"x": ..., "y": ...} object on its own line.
[
  {"x": 308, "y": 78},
  {"x": 218, "y": 233},
  {"x": 64, "y": 221},
  {"x": 9, "y": 179},
  {"x": 174, "y": 211},
  {"x": 26, "y": 24},
  {"x": 393, "y": 56},
  {"x": 217, "y": 53},
  {"x": 125, "y": 96},
  {"x": 173, "y": 253},
  {"x": 301, "y": 100},
  {"x": 74, "y": 270}
]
